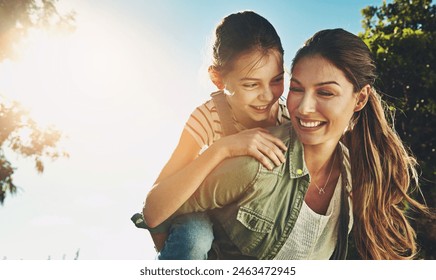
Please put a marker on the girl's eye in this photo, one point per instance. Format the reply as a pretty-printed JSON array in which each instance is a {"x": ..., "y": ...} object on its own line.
[
  {"x": 278, "y": 80},
  {"x": 249, "y": 86}
]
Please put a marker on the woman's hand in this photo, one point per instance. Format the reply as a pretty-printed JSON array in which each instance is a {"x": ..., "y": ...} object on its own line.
[{"x": 256, "y": 142}]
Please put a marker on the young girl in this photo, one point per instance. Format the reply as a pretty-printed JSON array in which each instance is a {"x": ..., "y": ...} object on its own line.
[
  {"x": 248, "y": 72},
  {"x": 304, "y": 209}
]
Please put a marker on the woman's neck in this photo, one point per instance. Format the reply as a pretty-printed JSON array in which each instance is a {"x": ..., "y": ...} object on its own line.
[{"x": 317, "y": 157}]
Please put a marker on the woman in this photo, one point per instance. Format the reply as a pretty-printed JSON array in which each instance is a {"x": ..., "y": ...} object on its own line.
[{"x": 305, "y": 208}]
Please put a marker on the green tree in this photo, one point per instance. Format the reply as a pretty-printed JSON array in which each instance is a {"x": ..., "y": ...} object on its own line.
[
  {"x": 402, "y": 37},
  {"x": 18, "y": 132},
  {"x": 17, "y": 17}
]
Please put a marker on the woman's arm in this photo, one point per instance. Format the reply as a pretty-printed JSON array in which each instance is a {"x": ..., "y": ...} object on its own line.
[{"x": 185, "y": 170}]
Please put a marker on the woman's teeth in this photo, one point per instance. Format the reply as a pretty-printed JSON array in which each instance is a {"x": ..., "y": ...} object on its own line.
[{"x": 310, "y": 123}]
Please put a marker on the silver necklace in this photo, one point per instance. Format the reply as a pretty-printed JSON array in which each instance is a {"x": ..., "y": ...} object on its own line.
[{"x": 321, "y": 191}]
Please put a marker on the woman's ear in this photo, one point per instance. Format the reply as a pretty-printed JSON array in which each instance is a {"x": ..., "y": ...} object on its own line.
[
  {"x": 216, "y": 78},
  {"x": 362, "y": 98}
]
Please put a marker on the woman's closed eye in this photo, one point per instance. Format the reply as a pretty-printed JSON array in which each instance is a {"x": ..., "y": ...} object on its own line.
[
  {"x": 325, "y": 93},
  {"x": 296, "y": 89}
]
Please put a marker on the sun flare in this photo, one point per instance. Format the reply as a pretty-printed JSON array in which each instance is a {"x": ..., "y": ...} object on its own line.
[{"x": 56, "y": 73}]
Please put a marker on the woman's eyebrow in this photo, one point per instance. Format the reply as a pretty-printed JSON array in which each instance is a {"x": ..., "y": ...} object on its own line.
[
  {"x": 295, "y": 80},
  {"x": 318, "y": 84},
  {"x": 328, "y": 82}
]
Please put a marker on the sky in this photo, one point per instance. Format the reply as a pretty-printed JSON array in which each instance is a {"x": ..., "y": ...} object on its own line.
[{"x": 120, "y": 88}]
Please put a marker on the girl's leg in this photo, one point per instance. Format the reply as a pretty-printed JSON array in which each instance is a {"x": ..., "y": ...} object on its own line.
[{"x": 190, "y": 238}]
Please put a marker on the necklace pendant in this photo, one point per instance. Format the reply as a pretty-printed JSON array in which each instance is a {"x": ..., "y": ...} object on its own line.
[{"x": 321, "y": 191}]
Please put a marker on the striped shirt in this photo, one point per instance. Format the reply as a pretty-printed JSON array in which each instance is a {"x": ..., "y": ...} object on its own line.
[{"x": 205, "y": 126}]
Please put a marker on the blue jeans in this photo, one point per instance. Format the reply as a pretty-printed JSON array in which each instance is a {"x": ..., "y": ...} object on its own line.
[{"x": 189, "y": 238}]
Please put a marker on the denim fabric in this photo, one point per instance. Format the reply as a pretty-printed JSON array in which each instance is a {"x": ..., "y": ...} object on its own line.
[
  {"x": 255, "y": 209},
  {"x": 190, "y": 238}
]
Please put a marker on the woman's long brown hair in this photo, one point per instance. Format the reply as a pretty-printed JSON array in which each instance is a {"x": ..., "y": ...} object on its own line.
[{"x": 383, "y": 169}]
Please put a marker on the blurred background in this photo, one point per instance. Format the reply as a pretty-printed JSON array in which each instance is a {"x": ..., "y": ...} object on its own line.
[{"x": 94, "y": 96}]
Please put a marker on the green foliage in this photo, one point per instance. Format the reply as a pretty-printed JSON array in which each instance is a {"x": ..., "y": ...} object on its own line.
[
  {"x": 402, "y": 38},
  {"x": 21, "y": 134},
  {"x": 19, "y": 16},
  {"x": 18, "y": 132}
]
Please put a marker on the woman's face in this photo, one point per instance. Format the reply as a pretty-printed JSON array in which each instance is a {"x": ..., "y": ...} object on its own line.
[
  {"x": 321, "y": 101},
  {"x": 256, "y": 82}
]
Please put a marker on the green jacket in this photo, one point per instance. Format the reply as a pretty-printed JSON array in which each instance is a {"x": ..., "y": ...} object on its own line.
[{"x": 254, "y": 209}]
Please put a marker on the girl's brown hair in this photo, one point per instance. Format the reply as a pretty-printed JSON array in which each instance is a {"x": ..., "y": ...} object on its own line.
[{"x": 239, "y": 33}]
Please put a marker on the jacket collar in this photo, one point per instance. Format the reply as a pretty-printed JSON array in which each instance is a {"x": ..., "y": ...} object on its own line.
[{"x": 297, "y": 163}]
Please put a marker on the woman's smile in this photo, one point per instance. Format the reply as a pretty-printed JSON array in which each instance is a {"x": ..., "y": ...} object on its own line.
[
  {"x": 321, "y": 100},
  {"x": 310, "y": 123}
]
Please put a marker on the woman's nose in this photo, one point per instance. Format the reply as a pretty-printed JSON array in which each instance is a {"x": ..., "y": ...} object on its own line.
[{"x": 307, "y": 104}]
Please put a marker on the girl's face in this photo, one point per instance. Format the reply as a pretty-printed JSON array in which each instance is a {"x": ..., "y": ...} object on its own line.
[
  {"x": 321, "y": 101},
  {"x": 256, "y": 82}
]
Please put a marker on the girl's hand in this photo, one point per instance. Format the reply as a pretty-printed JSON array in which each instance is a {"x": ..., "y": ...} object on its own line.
[{"x": 256, "y": 142}]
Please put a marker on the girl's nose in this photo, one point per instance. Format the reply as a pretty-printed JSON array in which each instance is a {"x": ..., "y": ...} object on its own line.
[{"x": 267, "y": 94}]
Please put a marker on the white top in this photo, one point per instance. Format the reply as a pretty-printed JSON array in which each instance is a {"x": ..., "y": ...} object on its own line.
[{"x": 314, "y": 236}]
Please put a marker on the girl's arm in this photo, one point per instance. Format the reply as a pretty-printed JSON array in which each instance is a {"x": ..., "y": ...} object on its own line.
[{"x": 186, "y": 170}]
